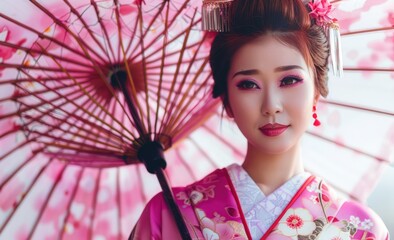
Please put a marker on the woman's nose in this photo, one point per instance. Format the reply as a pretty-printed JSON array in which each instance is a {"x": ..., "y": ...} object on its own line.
[{"x": 271, "y": 102}]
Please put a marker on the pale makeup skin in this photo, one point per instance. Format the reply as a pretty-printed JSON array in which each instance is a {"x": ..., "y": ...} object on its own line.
[{"x": 269, "y": 82}]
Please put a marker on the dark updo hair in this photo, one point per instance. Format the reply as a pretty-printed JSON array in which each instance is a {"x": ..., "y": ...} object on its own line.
[{"x": 286, "y": 20}]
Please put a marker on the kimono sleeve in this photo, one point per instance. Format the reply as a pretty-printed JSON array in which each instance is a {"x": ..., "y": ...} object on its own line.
[
  {"x": 369, "y": 225},
  {"x": 156, "y": 222}
]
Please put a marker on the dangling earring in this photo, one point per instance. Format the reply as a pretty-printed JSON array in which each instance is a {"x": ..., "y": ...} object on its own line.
[{"x": 316, "y": 123}]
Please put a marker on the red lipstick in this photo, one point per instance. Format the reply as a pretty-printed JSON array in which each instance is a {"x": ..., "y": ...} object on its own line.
[{"x": 273, "y": 129}]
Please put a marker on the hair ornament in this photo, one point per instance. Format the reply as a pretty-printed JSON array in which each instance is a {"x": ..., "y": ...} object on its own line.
[
  {"x": 335, "y": 51},
  {"x": 216, "y": 15},
  {"x": 319, "y": 11}
]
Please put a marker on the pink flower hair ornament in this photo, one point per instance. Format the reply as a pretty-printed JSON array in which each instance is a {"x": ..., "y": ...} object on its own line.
[{"x": 320, "y": 11}]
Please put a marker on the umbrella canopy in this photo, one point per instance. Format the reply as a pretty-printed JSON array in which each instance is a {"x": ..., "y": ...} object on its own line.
[
  {"x": 91, "y": 83},
  {"x": 69, "y": 61},
  {"x": 61, "y": 102}
]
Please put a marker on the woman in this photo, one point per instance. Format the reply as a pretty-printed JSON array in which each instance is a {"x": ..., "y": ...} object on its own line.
[{"x": 269, "y": 71}]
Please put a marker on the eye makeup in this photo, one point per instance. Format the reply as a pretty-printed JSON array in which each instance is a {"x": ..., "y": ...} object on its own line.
[
  {"x": 290, "y": 81},
  {"x": 247, "y": 84}
]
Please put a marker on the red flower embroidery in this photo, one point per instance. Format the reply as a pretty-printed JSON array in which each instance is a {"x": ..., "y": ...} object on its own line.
[{"x": 294, "y": 221}]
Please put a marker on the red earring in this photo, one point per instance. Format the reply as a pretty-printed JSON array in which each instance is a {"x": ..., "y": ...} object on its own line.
[{"x": 316, "y": 122}]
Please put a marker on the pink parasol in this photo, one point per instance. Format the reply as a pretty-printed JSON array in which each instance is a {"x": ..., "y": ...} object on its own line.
[
  {"x": 86, "y": 86},
  {"x": 67, "y": 131}
]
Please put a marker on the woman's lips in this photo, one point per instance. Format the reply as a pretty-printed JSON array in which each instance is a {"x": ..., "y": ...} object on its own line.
[{"x": 273, "y": 129}]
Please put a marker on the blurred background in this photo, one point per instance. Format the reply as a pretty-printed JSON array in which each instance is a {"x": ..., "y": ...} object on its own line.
[{"x": 382, "y": 199}]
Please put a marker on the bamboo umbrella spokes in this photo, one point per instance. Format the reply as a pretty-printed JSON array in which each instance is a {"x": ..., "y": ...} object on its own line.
[{"x": 100, "y": 85}]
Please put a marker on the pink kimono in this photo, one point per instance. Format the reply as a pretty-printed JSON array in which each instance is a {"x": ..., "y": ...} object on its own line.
[{"x": 212, "y": 210}]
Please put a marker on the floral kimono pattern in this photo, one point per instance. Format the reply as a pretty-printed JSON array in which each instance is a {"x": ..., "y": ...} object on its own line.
[{"x": 212, "y": 211}]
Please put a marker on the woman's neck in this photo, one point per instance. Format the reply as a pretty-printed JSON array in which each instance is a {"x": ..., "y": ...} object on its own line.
[{"x": 270, "y": 171}]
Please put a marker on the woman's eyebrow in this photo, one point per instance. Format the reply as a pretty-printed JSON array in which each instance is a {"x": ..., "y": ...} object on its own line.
[
  {"x": 247, "y": 72},
  {"x": 286, "y": 68}
]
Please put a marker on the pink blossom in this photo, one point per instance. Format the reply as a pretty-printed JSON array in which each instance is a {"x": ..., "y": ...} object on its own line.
[
  {"x": 320, "y": 10},
  {"x": 125, "y": 9},
  {"x": 7, "y": 52}
]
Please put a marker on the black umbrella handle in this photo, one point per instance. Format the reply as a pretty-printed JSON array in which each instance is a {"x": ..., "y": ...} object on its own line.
[
  {"x": 169, "y": 198},
  {"x": 176, "y": 213},
  {"x": 151, "y": 154}
]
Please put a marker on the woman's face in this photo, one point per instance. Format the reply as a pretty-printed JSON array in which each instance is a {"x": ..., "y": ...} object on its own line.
[{"x": 270, "y": 94}]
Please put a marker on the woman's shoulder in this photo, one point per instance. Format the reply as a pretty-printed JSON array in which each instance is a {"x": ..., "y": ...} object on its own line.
[
  {"x": 360, "y": 220},
  {"x": 157, "y": 202},
  {"x": 156, "y": 221},
  {"x": 364, "y": 220}
]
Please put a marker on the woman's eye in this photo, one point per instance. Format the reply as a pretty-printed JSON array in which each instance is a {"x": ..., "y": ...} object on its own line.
[
  {"x": 247, "y": 85},
  {"x": 288, "y": 81}
]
